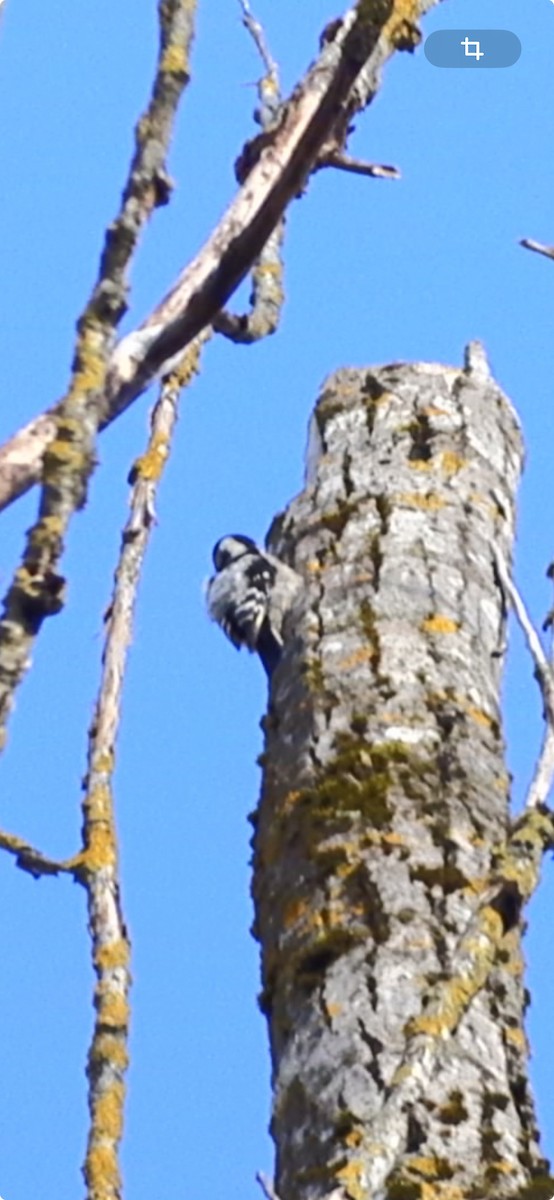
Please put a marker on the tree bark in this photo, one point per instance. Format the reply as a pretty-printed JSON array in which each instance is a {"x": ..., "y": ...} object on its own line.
[{"x": 385, "y": 798}]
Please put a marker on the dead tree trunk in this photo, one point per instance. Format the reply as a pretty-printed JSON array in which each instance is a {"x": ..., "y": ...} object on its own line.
[{"x": 385, "y": 798}]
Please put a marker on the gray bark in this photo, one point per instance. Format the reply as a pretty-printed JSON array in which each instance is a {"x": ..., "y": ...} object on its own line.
[{"x": 385, "y": 794}]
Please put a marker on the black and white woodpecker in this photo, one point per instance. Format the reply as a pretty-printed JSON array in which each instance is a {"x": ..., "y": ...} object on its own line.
[{"x": 250, "y": 595}]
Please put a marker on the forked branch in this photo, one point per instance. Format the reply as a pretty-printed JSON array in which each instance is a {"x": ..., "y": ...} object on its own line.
[{"x": 343, "y": 80}]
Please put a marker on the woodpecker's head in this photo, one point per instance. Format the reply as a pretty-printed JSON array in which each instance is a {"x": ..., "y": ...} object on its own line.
[{"x": 231, "y": 547}]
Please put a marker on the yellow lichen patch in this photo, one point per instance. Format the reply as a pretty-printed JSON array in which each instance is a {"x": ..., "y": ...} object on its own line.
[
  {"x": 333, "y": 1010},
  {"x": 408, "y": 10},
  {"x": 48, "y": 529},
  {"x": 500, "y": 1167},
  {"x": 174, "y": 61},
  {"x": 514, "y": 965},
  {"x": 476, "y": 714},
  {"x": 392, "y": 839},
  {"x": 295, "y": 911},
  {"x": 112, "y": 1049},
  {"x": 314, "y": 567},
  {"x": 458, "y": 992},
  {"x": 101, "y": 1170},
  {"x": 401, "y": 24},
  {"x": 431, "y": 1167},
  {"x": 482, "y": 718},
  {"x": 476, "y": 886},
  {"x": 361, "y": 655},
  {"x": 516, "y": 1037},
  {"x": 91, "y": 372},
  {"x": 403, "y": 1072},
  {"x": 353, "y": 1178},
  {"x": 315, "y": 921},
  {"x": 421, "y": 464},
  {"x": 108, "y": 1112},
  {"x": 432, "y": 410},
  {"x": 100, "y": 851},
  {"x": 451, "y": 462},
  {"x": 454, "y": 1111},
  {"x": 115, "y": 954},
  {"x": 113, "y": 1009},
  {"x": 10, "y": 841},
  {"x": 480, "y": 500},
  {"x": 151, "y": 464},
  {"x": 189, "y": 365},
  {"x": 353, "y": 1138},
  {"x": 103, "y": 763},
  {"x": 351, "y": 851},
  {"x": 62, "y": 453},
  {"x": 430, "y": 501},
  {"x": 267, "y": 270},
  {"x": 441, "y": 1191},
  {"x": 438, "y": 623},
  {"x": 290, "y": 800},
  {"x": 98, "y": 803}
]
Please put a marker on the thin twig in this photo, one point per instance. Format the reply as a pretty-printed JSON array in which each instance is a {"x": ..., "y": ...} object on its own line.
[
  {"x": 538, "y": 247},
  {"x": 544, "y": 770},
  {"x": 266, "y": 1186},
  {"x": 357, "y": 166},
  {"x": 267, "y": 296},
  {"x": 256, "y": 32},
  {"x": 97, "y": 865},
  {"x": 37, "y": 589},
  {"x": 534, "y": 645}
]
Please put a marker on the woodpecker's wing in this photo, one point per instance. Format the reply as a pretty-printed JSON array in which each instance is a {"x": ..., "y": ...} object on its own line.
[{"x": 238, "y": 598}]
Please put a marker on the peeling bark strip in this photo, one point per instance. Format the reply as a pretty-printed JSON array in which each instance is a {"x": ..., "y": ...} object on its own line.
[{"x": 385, "y": 799}]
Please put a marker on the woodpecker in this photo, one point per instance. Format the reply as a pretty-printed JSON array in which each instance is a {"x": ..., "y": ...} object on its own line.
[{"x": 250, "y": 595}]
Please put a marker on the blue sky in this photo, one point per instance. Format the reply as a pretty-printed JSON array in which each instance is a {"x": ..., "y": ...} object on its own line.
[{"x": 375, "y": 271}]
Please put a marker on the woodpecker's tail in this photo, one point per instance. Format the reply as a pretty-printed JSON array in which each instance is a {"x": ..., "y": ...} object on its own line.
[{"x": 269, "y": 649}]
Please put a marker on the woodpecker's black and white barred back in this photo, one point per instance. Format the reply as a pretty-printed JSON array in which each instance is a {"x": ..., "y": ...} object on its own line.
[{"x": 250, "y": 595}]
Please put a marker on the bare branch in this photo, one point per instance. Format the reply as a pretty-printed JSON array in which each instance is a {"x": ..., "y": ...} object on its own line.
[
  {"x": 256, "y": 32},
  {"x": 346, "y": 76},
  {"x": 543, "y": 775},
  {"x": 538, "y": 247},
  {"x": 266, "y": 298},
  {"x": 97, "y": 865},
  {"x": 544, "y": 770},
  {"x": 357, "y": 166},
  {"x": 28, "y": 858},
  {"x": 542, "y": 666},
  {"x": 37, "y": 590}
]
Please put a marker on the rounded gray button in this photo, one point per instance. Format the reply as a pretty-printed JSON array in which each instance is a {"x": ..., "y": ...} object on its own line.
[{"x": 472, "y": 48}]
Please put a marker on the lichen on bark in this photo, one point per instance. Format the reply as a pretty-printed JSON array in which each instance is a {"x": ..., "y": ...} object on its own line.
[{"x": 385, "y": 793}]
